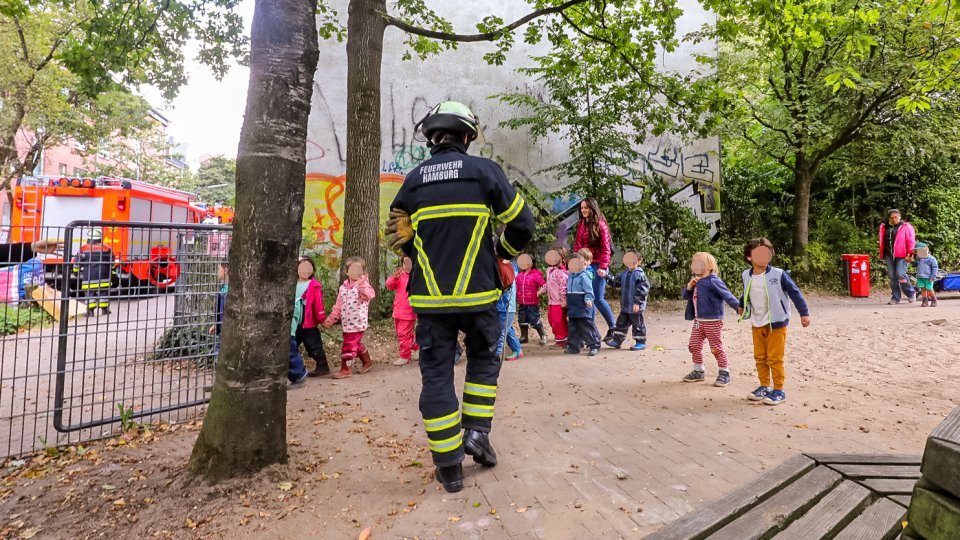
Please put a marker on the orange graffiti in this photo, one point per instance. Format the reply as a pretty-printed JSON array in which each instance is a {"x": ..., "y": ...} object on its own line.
[{"x": 324, "y": 194}]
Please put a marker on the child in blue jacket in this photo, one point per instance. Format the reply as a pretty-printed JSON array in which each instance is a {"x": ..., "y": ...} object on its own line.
[
  {"x": 705, "y": 295},
  {"x": 583, "y": 331},
  {"x": 507, "y": 307},
  {"x": 634, "y": 288},
  {"x": 927, "y": 270}
]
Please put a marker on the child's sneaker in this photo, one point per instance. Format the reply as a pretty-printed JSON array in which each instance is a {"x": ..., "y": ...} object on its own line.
[
  {"x": 298, "y": 383},
  {"x": 775, "y": 397},
  {"x": 593, "y": 352},
  {"x": 638, "y": 347},
  {"x": 723, "y": 379},
  {"x": 694, "y": 376},
  {"x": 560, "y": 344},
  {"x": 925, "y": 303},
  {"x": 568, "y": 350},
  {"x": 613, "y": 344},
  {"x": 760, "y": 393},
  {"x": 514, "y": 356},
  {"x": 543, "y": 341},
  {"x": 933, "y": 302},
  {"x": 402, "y": 362}
]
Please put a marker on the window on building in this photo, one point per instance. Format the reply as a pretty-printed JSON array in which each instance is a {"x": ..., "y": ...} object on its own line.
[{"x": 63, "y": 169}]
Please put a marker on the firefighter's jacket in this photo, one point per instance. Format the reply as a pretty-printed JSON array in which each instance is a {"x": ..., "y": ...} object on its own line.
[
  {"x": 95, "y": 263},
  {"x": 453, "y": 200}
]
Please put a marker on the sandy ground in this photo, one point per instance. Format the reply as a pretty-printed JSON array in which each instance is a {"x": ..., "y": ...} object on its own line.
[{"x": 612, "y": 446}]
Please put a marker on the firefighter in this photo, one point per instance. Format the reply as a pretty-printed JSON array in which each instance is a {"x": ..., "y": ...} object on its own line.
[
  {"x": 442, "y": 219},
  {"x": 96, "y": 271}
]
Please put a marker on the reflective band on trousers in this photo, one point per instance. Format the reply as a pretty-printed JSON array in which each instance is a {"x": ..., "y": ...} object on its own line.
[
  {"x": 513, "y": 211},
  {"x": 480, "y": 411},
  {"x": 444, "y": 422},
  {"x": 447, "y": 445},
  {"x": 454, "y": 300},
  {"x": 95, "y": 285},
  {"x": 480, "y": 390}
]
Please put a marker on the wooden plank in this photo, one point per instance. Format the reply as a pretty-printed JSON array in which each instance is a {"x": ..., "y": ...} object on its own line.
[
  {"x": 890, "y": 486},
  {"x": 834, "y": 511},
  {"x": 878, "y": 471},
  {"x": 949, "y": 429},
  {"x": 941, "y": 465},
  {"x": 866, "y": 459},
  {"x": 902, "y": 500},
  {"x": 701, "y": 523},
  {"x": 881, "y": 520},
  {"x": 934, "y": 516},
  {"x": 780, "y": 509}
]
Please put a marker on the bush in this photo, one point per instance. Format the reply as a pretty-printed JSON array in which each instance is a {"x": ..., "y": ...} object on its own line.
[{"x": 24, "y": 318}]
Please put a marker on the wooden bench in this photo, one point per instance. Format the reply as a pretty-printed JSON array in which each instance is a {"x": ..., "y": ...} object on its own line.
[
  {"x": 811, "y": 496},
  {"x": 843, "y": 497}
]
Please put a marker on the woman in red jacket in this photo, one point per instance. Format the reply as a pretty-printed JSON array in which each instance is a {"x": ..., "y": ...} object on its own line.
[{"x": 593, "y": 233}]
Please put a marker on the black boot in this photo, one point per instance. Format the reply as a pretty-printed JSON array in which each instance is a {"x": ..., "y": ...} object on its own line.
[
  {"x": 524, "y": 333},
  {"x": 451, "y": 477},
  {"x": 477, "y": 444},
  {"x": 609, "y": 335}
]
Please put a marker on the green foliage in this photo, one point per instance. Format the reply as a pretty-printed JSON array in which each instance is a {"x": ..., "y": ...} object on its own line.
[
  {"x": 126, "y": 418},
  {"x": 215, "y": 181},
  {"x": 24, "y": 318},
  {"x": 188, "y": 340}
]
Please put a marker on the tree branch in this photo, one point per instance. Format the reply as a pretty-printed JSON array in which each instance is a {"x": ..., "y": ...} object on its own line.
[
  {"x": 23, "y": 40},
  {"x": 486, "y": 36}
]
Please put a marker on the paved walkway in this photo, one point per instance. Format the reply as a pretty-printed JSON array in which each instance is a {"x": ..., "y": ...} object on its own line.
[{"x": 616, "y": 446}]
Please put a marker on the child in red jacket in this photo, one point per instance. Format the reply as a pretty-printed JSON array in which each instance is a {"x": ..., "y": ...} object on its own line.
[
  {"x": 529, "y": 284},
  {"x": 308, "y": 331},
  {"x": 404, "y": 319}
]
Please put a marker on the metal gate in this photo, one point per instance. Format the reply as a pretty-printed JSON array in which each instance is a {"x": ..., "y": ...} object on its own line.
[{"x": 141, "y": 349}]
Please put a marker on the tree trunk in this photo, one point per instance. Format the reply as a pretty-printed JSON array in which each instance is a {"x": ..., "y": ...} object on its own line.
[
  {"x": 361, "y": 233},
  {"x": 803, "y": 174},
  {"x": 245, "y": 425}
]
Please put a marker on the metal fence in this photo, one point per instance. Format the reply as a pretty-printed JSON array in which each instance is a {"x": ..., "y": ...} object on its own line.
[{"x": 117, "y": 326}]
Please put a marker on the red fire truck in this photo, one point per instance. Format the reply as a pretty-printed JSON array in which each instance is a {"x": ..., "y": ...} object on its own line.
[{"x": 43, "y": 206}]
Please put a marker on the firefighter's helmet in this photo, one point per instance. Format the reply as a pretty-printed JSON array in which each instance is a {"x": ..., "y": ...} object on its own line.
[
  {"x": 96, "y": 235},
  {"x": 451, "y": 116}
]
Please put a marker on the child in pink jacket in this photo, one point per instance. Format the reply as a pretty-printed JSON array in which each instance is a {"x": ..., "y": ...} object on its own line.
[
  {"x": 529, "y": 283},
  {"x": 352, "y": 309},
  {"x": 404, "y": 320},
  {"x": 556, "y": 287},
  {"x": 308, "y": 331}
]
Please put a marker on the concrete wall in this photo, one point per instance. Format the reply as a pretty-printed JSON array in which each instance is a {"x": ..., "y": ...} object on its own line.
[{"x": 410, "y": 88}]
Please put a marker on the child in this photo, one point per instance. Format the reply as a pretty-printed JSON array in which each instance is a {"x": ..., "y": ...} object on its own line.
[
  {"x": 765, "y": 292},
  {"x": 587, "y": 257},
  {"x": 308, "y": 332},
  {"x": 530, "y": 284},
  {"x": 296, "y": 372},
  {"x": 927, "y": 270},
  {"x": 217, "y": 327},
  {"x": 352, "y": 307},
  {"x": 507, "y": 306},
  {"x": 404, "y": 320},
  {"x": 634, "y": 288},
  {"x": 556, "y": 288},
  {"x": 583, "y": 331},
  {"x": 705, "y": 295}
]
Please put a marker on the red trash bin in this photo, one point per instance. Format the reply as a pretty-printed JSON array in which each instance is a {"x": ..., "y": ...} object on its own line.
[{"x": 856, "y": 273}]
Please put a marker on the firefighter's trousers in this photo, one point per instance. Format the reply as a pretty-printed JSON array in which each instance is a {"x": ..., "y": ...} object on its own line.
[
  {"x": 96, "y": 294},
  {"x": 442, "y": 417}
]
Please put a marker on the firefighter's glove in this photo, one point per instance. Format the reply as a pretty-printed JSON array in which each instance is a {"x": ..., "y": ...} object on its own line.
[
  {"x": 399, "y": 230},
  {"x": 507, "y": 275}
]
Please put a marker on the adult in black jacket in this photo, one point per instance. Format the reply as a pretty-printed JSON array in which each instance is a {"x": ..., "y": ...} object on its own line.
[
  {"x": 441, "y": 218},
  {"x": 96, "y": 273}
]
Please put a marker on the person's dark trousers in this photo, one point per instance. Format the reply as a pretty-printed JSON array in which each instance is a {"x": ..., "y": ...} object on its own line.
[
  {"x": 528, "y": 315},
  {"x": 312, "y": 341},
  {"x": 899, "y": 283},
  {"x": 437, "y": 337},
  {"x": 629, "y": 322},
  {"x": 296, "y": 370},
  {"x": 583, "y": 333}
]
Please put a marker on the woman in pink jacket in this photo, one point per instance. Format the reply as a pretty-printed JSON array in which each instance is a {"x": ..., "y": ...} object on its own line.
[
  {"x": 308, "y": 332},
  {"x": 593, "y": 233},
  {"x": 404, "y": 319},
  {"x": 353, "y": 309},
  {"x": 897, "y": 241},
  {"x": 529, "y": 284}
]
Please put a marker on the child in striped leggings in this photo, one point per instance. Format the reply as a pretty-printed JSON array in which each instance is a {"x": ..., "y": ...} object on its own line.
[{"x": 705, "y": 296}]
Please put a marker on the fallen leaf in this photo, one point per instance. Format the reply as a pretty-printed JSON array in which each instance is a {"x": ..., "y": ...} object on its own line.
[
  {"x": 521, "y": 509},
  {"x": 800, "y": 426},
  {"x": 30, "y": 533},
  {"x": 285, "y": 486},
  {"x": 365, "y": 534},
  {"x": 108, "y": 487},
  {"x": 119, "y": 502},
  {"x": 453, "y": 519},
  {"x": 493, "y": 511},
  {"x": 190, "y": 523},
  {"x": 476, "y": 505},
  {"x": 659, "y": 348}
]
